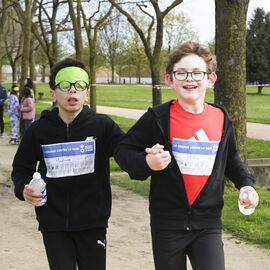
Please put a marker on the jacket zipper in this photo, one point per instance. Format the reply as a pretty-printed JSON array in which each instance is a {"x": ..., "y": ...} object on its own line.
[
  {"x": 187, "y": 227},
  {"x": 223, "y": 138},
  {"x": 68, "y": 195}
]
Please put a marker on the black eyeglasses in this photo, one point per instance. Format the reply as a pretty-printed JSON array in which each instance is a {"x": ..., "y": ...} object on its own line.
[
  {"x": 65, "y": 86},
  {"x": 195, "y": 75}
]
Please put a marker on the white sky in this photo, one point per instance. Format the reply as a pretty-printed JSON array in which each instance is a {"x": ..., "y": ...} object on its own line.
[{"x": 202, "y": 15}]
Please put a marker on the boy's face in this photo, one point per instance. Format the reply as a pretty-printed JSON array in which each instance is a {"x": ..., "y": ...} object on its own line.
[
  {"x": 70, "y": 101},
  {"x": 191, "y": 92}
]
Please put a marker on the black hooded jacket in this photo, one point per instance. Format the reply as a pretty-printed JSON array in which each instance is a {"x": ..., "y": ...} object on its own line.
[
  {"x": 75, "y": 202},
  {"x": 169, "y": 208}
]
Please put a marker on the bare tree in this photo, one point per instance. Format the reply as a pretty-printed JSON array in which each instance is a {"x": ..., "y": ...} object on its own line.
[
  {"x": 13, "y": 46},
  {"x": 230, "y": 88},
  {"x": 47, "y": 27},
  {"x": 152, "y": 52},
  {"x": 25, "y": 18},
  {"x": 76, "y": 22},
  {"x": 110, "y": 40},
  {"x": 92, "y": 25},
  {"x": 32, "y": 60},
  {"x": 2, "y": 22},
  {"x": 177, "y": 29},
  {"x": 135, "y": 55},
  {"x": 12, "y": 38},
  {"x": 132, "y": 55}
]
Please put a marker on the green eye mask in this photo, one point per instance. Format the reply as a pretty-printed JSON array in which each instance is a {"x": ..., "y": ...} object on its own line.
[{"x": 71, "y": 74}]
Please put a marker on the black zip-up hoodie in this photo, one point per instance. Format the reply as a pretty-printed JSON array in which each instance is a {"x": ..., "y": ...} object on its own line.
[
  {"x": 76, "y": 202},
  {"x": 169, "y": 208}
]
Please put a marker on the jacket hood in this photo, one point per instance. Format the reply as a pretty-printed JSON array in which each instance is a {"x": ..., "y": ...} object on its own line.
[
  {"x": 161, "y": 112},
  {"x": 53, "y": 115},
  {"x": 162, "y": 109}
]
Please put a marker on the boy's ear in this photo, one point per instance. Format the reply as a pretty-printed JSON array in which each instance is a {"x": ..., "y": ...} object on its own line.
[
  {"x": 87, "y": 95},
  {"x": 53, "y": 96},
  {"x": 212, "y": 77},
  {"x": 169, "y": 80}
]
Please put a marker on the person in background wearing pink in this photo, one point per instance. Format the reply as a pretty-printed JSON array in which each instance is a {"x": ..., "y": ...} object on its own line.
[
  {"x": 31, "y": 84},
  {"x": 27, "y": 109}
]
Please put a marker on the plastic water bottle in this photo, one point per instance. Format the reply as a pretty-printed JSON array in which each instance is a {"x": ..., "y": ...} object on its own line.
[
  {"x": 38, "y": 184},
  {"x": 242, "y": 208}
]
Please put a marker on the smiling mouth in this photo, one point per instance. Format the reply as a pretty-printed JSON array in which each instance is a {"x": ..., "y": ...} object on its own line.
[{"x": 190, "y": 87}]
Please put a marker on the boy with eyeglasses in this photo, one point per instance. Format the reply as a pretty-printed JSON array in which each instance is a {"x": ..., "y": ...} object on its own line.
[
  {"x": 72, "y": 146},
  {"x": 187, "y": 146}
]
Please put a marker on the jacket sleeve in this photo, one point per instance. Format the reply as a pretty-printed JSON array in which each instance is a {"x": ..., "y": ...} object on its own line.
[
  {"x": 113, "y": 134},
  {"x": 236, "y": 170},
  {"x": 130, "y": 153},
  {"x": 3, "y": 95},
  {"x": 24, "y": 163},
  {"x": 28, "y": 105}
]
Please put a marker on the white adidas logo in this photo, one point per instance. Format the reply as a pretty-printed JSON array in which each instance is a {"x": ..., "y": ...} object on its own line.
[{"x": 201, "y": 135}]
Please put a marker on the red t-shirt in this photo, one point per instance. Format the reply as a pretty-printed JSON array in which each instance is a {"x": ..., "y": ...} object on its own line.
[{"x": 195, "y": 139}]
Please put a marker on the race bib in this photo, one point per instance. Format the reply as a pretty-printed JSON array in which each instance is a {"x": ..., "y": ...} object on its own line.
[
  {"x": 195, "y": 157},
  {"x": 69, "y": 159}
]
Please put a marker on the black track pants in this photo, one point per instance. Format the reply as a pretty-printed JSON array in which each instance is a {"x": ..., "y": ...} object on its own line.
[
  {"x": 203, "y": 247},
  {"x": 83, "y": 250}
]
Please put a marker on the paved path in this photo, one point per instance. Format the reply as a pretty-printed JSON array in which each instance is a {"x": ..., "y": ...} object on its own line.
[
  {"x": 258, "y": 131},
  {"x": 254, "y": 130}
]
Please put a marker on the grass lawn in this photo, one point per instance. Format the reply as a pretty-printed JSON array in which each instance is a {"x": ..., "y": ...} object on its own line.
[
  {"x": 254, "y": 228},
  {"x": 140, "y": 97}
]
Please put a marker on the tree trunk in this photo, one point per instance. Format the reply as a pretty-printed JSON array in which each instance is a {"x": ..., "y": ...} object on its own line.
[
  {"x": 14, "y": 72},
  {"x": 230, "y": 88},
  {"x": 77, "y": 28},
  {"x": 26, "y": 41},
  {"x": 139, "y": 74},
  {"x": 92, "y": 41},
  {"x": 112, "y": 67},
  {"x": 156, "y": 88},
  {"x": 43, "y": 73},
  {"x": 155, "y": 63},
  {"x": 92, "y": 64},
  {"x": 32, "y": 61},
  {"x": 2, "y": 22},
  {"x": 260, "y": 90},
  {"x": 1, "y": 70},
  {"x": 54, "y": 44}
]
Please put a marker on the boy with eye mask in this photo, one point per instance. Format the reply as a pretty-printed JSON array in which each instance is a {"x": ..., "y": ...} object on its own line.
[{"x": 72, "y": 146}]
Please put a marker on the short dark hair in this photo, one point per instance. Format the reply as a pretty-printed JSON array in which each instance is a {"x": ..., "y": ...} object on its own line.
[
  {"x": 26, "y": 91},
  {"x": 29, "y": 83},
  {"x": 188, "y": 48},
  {"x": 68, "y": 62}
]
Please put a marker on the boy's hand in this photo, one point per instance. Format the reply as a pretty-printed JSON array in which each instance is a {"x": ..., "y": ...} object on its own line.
[
  {"x": 157, "y": 159},
  {"x": 30, "y": 196},
  {"x": 157, "y": 148},
  {"x": 252, "y": 199}
]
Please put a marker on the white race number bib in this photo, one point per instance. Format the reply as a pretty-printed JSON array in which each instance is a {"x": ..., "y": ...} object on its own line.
[
  {"x": 69, "y": 159},
  {"x": 195, "y": 157}
]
